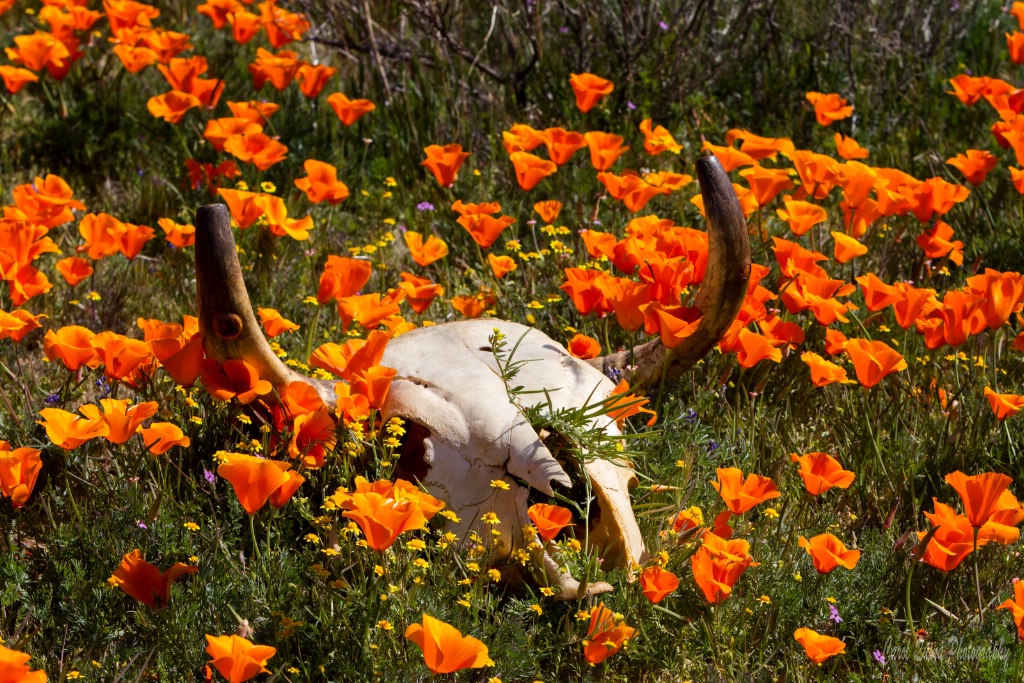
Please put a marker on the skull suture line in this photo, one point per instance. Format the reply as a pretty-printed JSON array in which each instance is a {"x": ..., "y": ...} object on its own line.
[{"x": 465, "y": 432}]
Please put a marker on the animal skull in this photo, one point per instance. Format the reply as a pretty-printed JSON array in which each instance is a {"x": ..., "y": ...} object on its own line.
[{"x": 464, "y": 431}]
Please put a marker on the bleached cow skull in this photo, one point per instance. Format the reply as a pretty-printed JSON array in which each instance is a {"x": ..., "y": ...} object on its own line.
[{"x": 464, "y": 431}]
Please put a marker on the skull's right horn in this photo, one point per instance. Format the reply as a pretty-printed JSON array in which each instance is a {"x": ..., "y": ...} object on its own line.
[{"x": 720, "y": 297}]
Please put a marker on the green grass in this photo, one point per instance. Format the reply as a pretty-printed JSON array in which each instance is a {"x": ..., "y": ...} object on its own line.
[{"x": 93, "y": 504}]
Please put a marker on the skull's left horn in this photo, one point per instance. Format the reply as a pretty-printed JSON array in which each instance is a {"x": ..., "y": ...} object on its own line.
[
  {"x": 719, "y": 299},
  {"x": 226, "y": 320}
]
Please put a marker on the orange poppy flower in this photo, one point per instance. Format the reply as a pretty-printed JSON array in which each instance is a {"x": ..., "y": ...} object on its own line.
[
  {"x": 980, "y": 494},
  {"x": 936, "y": 243},
  {"x": 658, "y": 139},
  {"x": 531, "y": 169},
  {"x": 828, "y": 552},
  {"x": 382, "y": 517},
  {"x": 1004, "y": 405},
  {"x": 274, "y": 323},
  {"x": 351, "y": 358},
  {"x": 71, "y": 345},
  {"x": 313, "y": 434},
  {"x": 445, "y": 649},
  {"x": 254, "y": 110},
  {"x": 794, "y": 259},
  {"x": 820, "y": 472},
  {"x": 739, "y": 495},
  {"x": 910, "y": 302},
  {"x": 1003, "y": 293},
  {"x": 782, "y": 334},
  {"x": 236, "y": 658},
  {"x": 589, "y": 90},
  {"x": 605, "y": 149},
  {"x": 1001, "y": 526},
  {"x": 718, "y": 564},
  {"x": 766, "y": 183},
  {"x": 801, "y": 216},
  {"x": 873, "y": 360},
  {"x": 485, "y": 229},
  {"x": 369, "y": 310},
  {"x": 74, "y": 269},
  {"x": 180, "y": 357},
  {"x": 847, "y": 248},
  {"x": 818, "y": 647},
  {"x": 672, "y": 324},
  {"x": 829, "y": 107},
  {"x": 480, "y": 209},
  {"x": 668, "y": 180},
  {"x": 312, "y": 79},
  {"x": 444, "y": 162},
  {"x": 1015, "y": 45},
  {"x": 342, "y": 277},
  {"x": 279, "y": 69},
  {"x": 877, "y": 294},
  {"x": 752, "y": 348},
  {"x": 657, "y": 584},
  {"x": 118, "y": 354},
  {"x": 15, "y": 78},
  {"x": 257, "y": 480},
  {"x": 420, "y": 291},
  {"x": 321, "y": 183},
  {"x": 960, "y": 315},
  {"x": 425, "y": 252},
  {"x": 548, "y": 210},
  {"x": 232, "y": 379},
  {"x": 144, "y": 582},
  {"x": 350, "y": 111},
  {"x": 38, "y": 51},
  {"x": 604, "y": 636},
  {"x": 160, "y": 437},
  {"x": 521, "y": 138},
  {"x": 848, "y": 148},
  {"x": 583, "y": 347},
  {"x": 730, "y": 157},
  {"x": 122, "y": 421},
  {"x": 952, "y": 542},
  {"x": 1016, "y": 606},
  {"x": 219, "y": 11},
  {"x": 278, "y": 222},
  {"x": 759, "y": 147},
  {"x": 69, "y": 431},
  {"x": 936, "y": 196},
  {"x": 258, "y": 148},
  {"x": 17, "y": 324},
  {"x": 172, "y": 106},
  {"x": 631, "y": 189},
  {"x": 620, "y": 405},
  {"x": 19, "y": 469},
  {"x": 15, "y": 665},
  {"x": 975, "y": 164},
  {"x": 970, "y": 89},
  {"x": 687, "y": 519},
  {"x": 501, "y": 265},
  {"x": 218, "y": 131},
  {"x": 178, "y": 234},
  {"x": 562, "y": 144},
  {"x": 549, "y": 519}
]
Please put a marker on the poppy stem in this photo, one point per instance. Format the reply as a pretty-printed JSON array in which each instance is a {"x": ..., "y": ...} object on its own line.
[
  {"x": 977, "y": 578},
  {"x": 252, "y": 536},
  {"x": 906, "y": 604}
]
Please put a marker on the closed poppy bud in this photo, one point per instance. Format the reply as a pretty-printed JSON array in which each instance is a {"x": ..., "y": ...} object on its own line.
[
  {"x": 657, "y": 583},
  {"x": 584, "y": 347},
  {"x": 828, "y": 552},
  {"x": 19, "y": 469},
  {"x": 549, "y": 519},
  {"x": 236, "y": 658},
  {"x": 817, "y": 646},
  {"x": 445, "y": 649},
  {"x": 589, "y": 90},
  {"x": 444, "y": 162}
]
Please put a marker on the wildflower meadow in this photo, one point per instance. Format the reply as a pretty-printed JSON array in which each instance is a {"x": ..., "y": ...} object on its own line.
[{"x": 521, "y": 341}]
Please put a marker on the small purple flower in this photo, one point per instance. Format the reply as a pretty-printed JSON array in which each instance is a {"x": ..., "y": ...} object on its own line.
[
  {"x": 53, "y": 399},
  {"x": 102, "y": 385},
  {"x": 531, "y": 222},
  {"x": 834, "y": 614},
  {"x": 662, "y": 25},
  {"x": 597, "y": 221},
  {"x": 425, "y": 206},
  {"x": 879, "y": 657},
  {"x": 141, "y": 524},
  {"x": 712, "y": 446},
  {"x": 630, "y": 106},
  {"x": 564, "y": 29},
  {"x": 208, "y": 476}
]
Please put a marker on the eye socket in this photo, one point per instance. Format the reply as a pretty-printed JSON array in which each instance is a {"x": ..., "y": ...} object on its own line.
[
  {"x": 227, "y": 326},
  {"x": 412, "y": 463}
]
